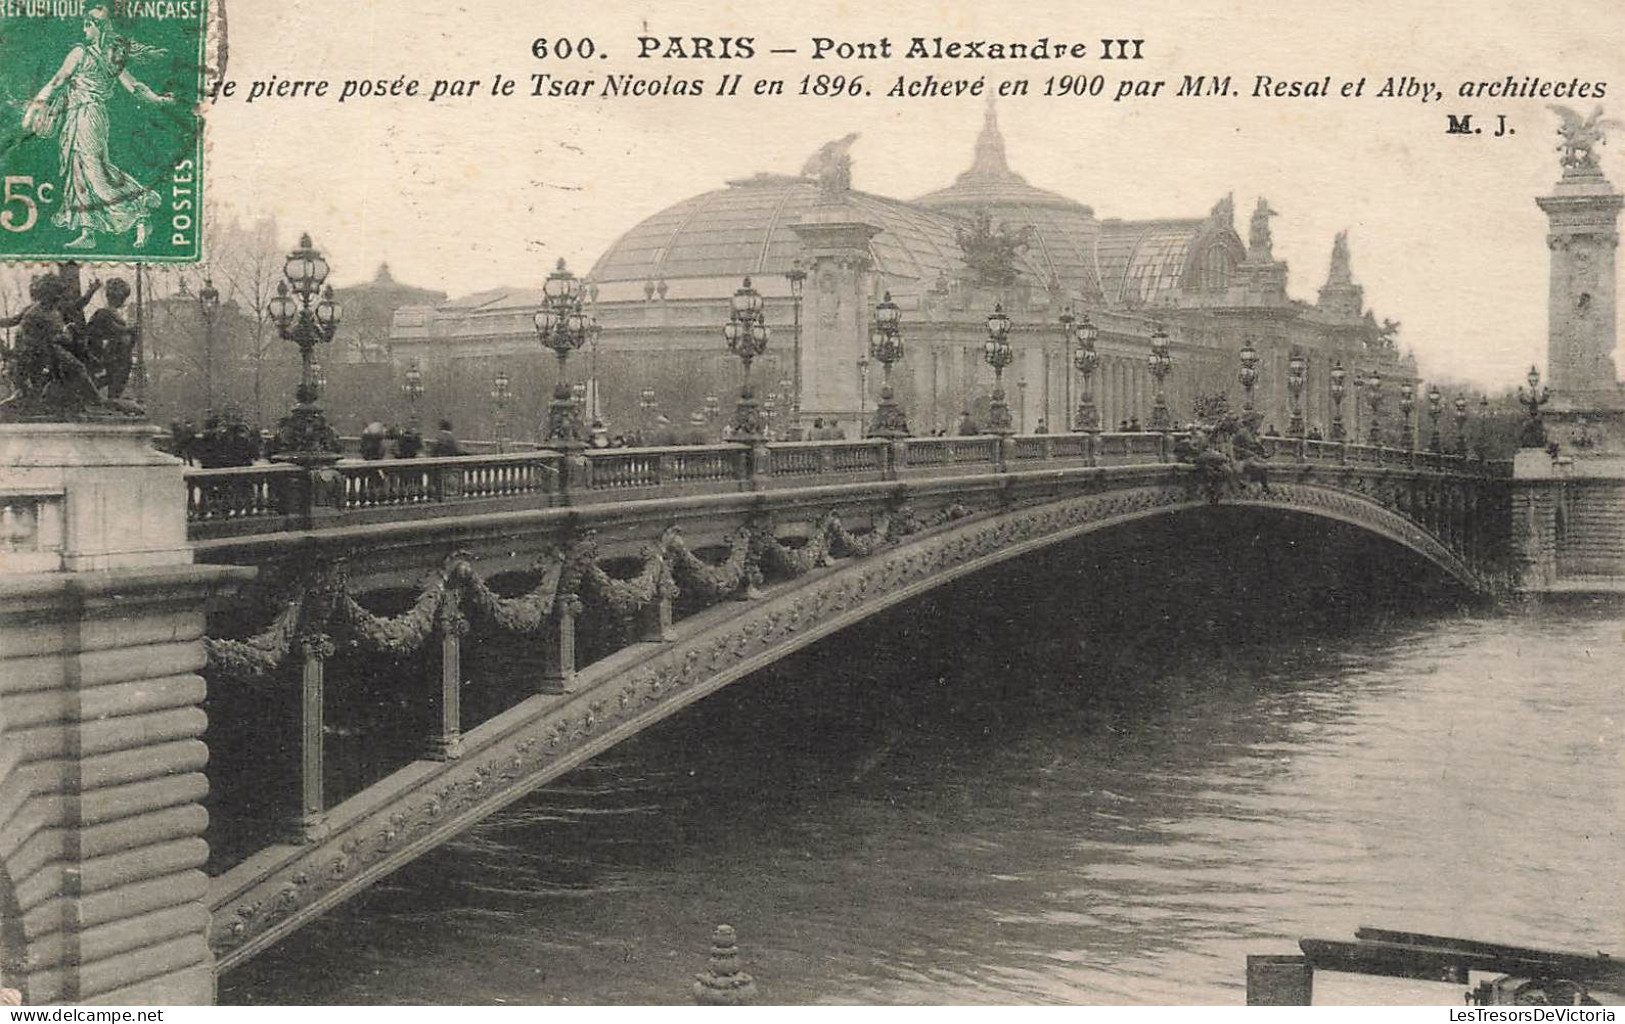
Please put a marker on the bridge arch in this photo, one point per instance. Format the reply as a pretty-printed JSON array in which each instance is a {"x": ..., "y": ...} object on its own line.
[{"x": 544, "y": 736}]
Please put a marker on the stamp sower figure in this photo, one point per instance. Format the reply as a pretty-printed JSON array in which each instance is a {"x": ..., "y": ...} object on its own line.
[{"x": 96, "y": 195}]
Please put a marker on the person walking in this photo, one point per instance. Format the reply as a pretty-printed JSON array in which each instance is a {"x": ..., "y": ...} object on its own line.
[{"x": 445, "y": 444}]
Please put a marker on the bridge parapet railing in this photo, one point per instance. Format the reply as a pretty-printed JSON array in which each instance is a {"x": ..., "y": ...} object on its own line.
[
  {"x": 1323, "y": 451},
  {"x": 616, "y": 470},
  {"x": 243, "y": 494},
  {"x": 1130, "y": 449},
  {"x": 392, "y": 483},
  {"x": 811, "y": 458},
  {"x": 952, "y": 453}
]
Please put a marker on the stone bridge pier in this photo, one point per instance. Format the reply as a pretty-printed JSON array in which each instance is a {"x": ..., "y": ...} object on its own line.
[
  {"x": 102, "y": 772},
  {"x": 1568, "y": 523}
]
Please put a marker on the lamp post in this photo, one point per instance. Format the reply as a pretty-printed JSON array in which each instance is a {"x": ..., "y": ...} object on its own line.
[
  {"x": 886, "y": 346},
  {"x": 647, "y": 404},
  {"x": 1339, "y": 378},
  {"x": 412, "y": 388},
  {"x": 797, "y": 276},
  {"x": 1068, "y": 336},
  {"x": 500, "y": 393},
  {"x": 1086, "y": 359},
  {"x": 1407, "y": 405},
  {"x": 320, "y": 375},
  {"x": 208, "y": 306},
  {"x": 747, "y": 338},
  {"x": 1460, "y": 406},
  {"x": 998, "y": 353},
  {"x": 1435, "y": 407},
  {"x": 1534, "y": 430},
  {"x": 1249, "y": 372},
  {"x": 1483, "y": 426},
  {"x": 1373, "y": 396},
  {"x": 1159, "y": 362},
  {"x": 1021, "y": 403},
  {"x": 310, "y": 319},
  {"x": 563, "y": 326},
  {"x": 713, "y": 409},
  {"x": 1297, "y": 371},
  {"x": 770, "y": 415}
]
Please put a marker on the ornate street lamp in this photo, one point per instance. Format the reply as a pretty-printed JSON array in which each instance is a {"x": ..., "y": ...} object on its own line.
[
  {"x": 647, "y": 404},
  {"x": 713, "y": 408},
  {"x": 309, "y": 320},
  {"x": 1339, "y": 378},
  {"x": 1297, "y": 371},
  {"x": 1407, "y": 404},
  {"x": 208, "y": 305},
  {"x": 863, "y": 393},
  {"x": 1460, "y": 406},
  {"x": 500, "y": 393},
  {"x": 563, "y": 326},
  {"x": 1373, "y": 395},
  {"x": 797, "y": 276},
  {"x": 319, "y": 374},
  {"x": 1249, "y": 372},
  {"x": 1159, "y": 362},
  {"x": 1021, "y": 403},
  {"x": 998, "y": 353},
  {"x": 1086, "y": 359},
  {"x": 1534, "y": 431},
  {"x": 747, "y": 338},
  {"x": 412, "y": 388},
  {"x": 1435, "y": 407},
  {"x": 1068, "y": 336},
  {"x": 886, "y": 345}
]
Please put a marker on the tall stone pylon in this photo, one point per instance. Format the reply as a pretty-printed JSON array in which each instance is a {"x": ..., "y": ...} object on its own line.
[
  {"x": 1583, "y": 212},
  {"x": 835, "y": 234}
]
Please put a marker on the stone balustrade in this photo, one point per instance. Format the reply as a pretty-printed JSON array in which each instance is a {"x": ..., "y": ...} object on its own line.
[{"x": 275, "y": 498}]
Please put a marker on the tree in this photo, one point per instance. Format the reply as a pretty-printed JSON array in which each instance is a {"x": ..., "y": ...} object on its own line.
[{"x": 249, "y": 264}]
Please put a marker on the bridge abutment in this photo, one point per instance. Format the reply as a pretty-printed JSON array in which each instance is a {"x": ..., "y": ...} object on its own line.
[
  {"x": 1568, "y": 522},
  {"x": 101, "y": 758}
]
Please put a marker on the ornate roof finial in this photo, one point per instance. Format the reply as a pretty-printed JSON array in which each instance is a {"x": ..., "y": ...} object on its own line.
[
  {"x": 1339, "y": 273},
  {"x": 990, "y": 161},
  {"x": 1260, "y": 245},
  {"x": 1224, "y": 211},
  {"x": 1340, "y": 295}
]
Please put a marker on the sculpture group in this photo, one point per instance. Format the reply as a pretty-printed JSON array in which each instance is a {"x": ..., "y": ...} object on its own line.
[{"x": 62, "y": 364}]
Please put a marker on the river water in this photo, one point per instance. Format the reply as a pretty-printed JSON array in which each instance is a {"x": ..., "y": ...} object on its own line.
[{"x": 1101, "y": 776}]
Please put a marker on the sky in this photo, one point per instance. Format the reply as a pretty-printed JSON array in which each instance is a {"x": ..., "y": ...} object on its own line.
[{"x": 465, "y": 194}]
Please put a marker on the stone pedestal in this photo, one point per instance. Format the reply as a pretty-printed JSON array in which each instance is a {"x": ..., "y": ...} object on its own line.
[{"x": 102, "y": 894}]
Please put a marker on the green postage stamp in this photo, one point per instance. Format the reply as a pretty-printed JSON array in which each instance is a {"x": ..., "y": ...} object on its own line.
[{"x": 101, "y": 141}]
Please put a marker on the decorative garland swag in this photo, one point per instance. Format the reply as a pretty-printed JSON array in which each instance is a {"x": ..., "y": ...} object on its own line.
[{"x": 322, "y": 607}]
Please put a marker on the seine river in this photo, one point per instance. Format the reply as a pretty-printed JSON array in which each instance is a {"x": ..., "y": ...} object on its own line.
[{"x": 1103, "y": 776}]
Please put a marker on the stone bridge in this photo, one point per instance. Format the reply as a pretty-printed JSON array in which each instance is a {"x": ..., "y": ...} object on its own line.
[{"x": 623, "y": 585}]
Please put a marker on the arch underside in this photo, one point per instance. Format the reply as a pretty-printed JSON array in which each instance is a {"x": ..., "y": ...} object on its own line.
[{"x": 423, "y": 805}]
